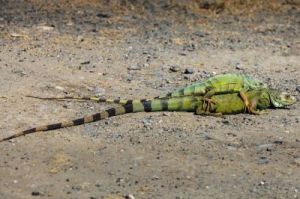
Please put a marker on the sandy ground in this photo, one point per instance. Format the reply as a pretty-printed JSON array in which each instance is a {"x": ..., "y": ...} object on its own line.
[{"x": 126, "y": 49}]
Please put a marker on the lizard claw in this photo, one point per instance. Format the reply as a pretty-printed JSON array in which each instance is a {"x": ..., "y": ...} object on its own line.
[{"x": 207, "y": 102}]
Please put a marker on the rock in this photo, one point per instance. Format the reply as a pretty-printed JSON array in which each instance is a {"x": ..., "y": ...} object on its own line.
[
  {"x": 35, "y": 193},
  {"x": 206, "y": 136},
  {"x": 191, "y": 47},
  {"x": 134, "y": 67},
  {"x": 200, "y": 34},
  {"x": 189, "y": 71},
  {"x": 226, "y": 122},
  {"x": 19, "y": 72},
  {"x": 278, "y": 142},
  {"x": 263, "y": 160},
  {"x": 46, "y": 28},
  {"x": 102, "y": 15},
  {"x": 298, "y": 88},
  {"x": 182, "y": 54},
  {"x": 265, "y": 146},
  {"x": 238, "y": 66},
  {"x": 85, "y": 62},
  {"x": 129, "y": 196},
  {"x": 188, "y": 77},
  {"x": 79, "y": 39},
  {"x": 174, "y": 68},
  {"x": 59, "y": 88}
]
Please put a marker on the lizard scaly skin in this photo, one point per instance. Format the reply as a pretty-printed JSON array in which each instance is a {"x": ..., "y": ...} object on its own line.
[{"x": 223, "y": 104}]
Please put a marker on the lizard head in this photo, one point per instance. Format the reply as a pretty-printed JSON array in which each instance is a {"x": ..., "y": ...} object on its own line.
[{"x": 281, "y": 99}]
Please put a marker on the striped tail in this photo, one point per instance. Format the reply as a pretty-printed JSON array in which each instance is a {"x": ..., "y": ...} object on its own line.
[
  {"x": 177, "y": 104},
  {"x": 88, "y": 98}
]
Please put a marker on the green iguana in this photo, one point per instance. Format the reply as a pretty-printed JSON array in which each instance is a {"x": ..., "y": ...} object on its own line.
[
  {"x": 223, "y": 104},
  {"x": 219, "y": 84}
]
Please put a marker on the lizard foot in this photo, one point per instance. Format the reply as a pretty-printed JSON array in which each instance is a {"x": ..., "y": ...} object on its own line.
[
  {"x": 201, "y": 111},
  {"x": 207, "y": 104}
]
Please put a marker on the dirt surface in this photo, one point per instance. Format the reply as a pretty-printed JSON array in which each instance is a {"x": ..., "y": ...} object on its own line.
[{"x": 138, "y": 49}]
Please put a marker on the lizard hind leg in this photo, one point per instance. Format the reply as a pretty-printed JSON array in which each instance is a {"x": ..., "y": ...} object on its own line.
[
  {"x": 253, "y": 108},
  {"x": 205, "y": 112},
  {"x": 207, "y": 101}
]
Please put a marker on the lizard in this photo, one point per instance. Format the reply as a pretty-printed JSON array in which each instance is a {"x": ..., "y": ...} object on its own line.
[
  {"x": 223, "y": 104},
  {"x": 219, "y": 84}
]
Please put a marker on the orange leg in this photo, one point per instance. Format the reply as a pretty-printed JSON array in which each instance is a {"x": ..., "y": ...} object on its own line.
[
  {"x": 251, "y": 106},
  {"x": 246, "y": 102},
  {"x": 207, "y": 101}
]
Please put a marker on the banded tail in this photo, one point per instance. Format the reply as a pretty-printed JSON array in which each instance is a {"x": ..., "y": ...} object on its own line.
[
  {"x": 132, "y": 106},
  {"x": 88, "y": 98}
]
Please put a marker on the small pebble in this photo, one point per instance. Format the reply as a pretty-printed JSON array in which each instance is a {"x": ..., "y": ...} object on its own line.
[
  {"x": 134, "y": 67},
  {"x": 263, "y": 160},
  {"x": 102, "y": 15},
  {"x": 59, "y": 88},
  {"x": 19, "y": 72},
  {"x": 85, "y": 62},
  {"x": 46, "y": 28},
  {"x": 188, "y": 77},
  {"x": 206, "y": 136},
  {"x": 298, "y": 88},
  {"x": 265, "y": 146},
  {"x": 189, "y": 71},
  {"x": 278, "y": 142},
  {"x": 80, "y": 38},
  {"x": 174, "y": 68},
  {"x": 200, "y": 34},
  {"x": 191, "y": 47},
  {"x": 238, "y": 66},
  {"x": 225, "y": 122},
  {"x": 129, "y": 196},
  {"x": 35, "y": 193}
]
